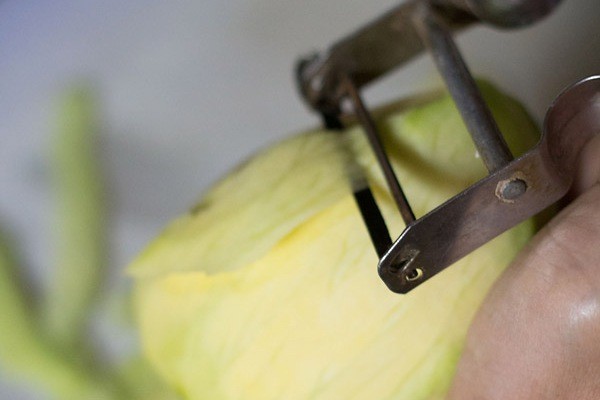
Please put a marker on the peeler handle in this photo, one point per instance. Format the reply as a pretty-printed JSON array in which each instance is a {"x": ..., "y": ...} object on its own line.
[{"x": 504, "y": 13}]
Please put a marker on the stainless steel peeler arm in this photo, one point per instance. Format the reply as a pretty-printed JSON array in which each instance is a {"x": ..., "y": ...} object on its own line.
[{"x": 515, "y": 189}]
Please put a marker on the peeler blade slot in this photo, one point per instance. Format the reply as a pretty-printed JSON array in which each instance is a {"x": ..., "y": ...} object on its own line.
[{"x": 374, "y": 221}]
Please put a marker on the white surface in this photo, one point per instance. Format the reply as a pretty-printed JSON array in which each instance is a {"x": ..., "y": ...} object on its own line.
[{"x": 190, "y": 88}]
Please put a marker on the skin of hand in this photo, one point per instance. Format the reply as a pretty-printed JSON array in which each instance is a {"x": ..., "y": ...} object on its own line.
[{"x": 537, "y": 334}]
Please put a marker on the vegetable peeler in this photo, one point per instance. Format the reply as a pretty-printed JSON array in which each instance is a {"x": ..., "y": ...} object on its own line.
[{"x": 514, "y": 190}]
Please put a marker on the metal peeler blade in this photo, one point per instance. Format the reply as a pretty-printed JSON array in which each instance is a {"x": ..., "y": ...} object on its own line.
[
  {"x": 505, "y": 198},
  {"x": 515, "y": 189}
]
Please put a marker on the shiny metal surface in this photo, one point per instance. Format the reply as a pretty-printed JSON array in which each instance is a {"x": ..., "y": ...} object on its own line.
[
  {"x": 506, "y": 13},
  {"x": 392, "y": 40},
  {"x": 481, "y": 212}
]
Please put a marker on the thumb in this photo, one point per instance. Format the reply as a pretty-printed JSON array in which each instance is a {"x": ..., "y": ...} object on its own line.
[{"x": 536, "y": 335}]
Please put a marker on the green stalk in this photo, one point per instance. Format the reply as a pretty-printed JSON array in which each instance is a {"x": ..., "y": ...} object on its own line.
[
  {"x": 24, "y": 351},
  {"x": 51, "y": 351},
  {"x": 80, "y": 237}
]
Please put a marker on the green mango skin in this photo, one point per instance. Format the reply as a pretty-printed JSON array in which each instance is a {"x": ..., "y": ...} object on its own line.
[{"x": 268, "y": 289}]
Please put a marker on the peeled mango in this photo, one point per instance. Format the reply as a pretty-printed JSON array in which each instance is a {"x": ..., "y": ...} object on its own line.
[{"x": 268, "y": 288}]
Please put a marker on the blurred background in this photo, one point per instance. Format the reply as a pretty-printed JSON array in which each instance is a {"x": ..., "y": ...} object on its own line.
[{"x": 185, "y": 90}]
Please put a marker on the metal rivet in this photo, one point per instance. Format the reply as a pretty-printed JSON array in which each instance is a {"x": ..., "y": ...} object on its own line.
[
  {"x": 510, "y": 190},
  {"x": 413, "y": 274}
]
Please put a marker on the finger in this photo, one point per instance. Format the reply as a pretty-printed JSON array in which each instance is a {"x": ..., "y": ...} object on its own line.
[
  {"x": 588, "y": 168},
  {"x": 536, "y": 336}
]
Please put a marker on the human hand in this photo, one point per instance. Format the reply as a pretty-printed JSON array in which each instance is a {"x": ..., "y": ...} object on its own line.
[{"x": 537, "y": 335}]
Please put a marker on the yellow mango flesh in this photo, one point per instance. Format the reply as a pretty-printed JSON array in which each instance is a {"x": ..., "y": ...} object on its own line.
[{"x": 268, "y": 289}]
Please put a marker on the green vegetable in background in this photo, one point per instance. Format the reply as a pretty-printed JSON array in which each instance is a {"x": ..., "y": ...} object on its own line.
[
  {"x": 48, "y": 343},
  {"x": 27, "y": 352},
  {"x": 81, "y": 220},
  {"x": 268, "y": 288}
]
